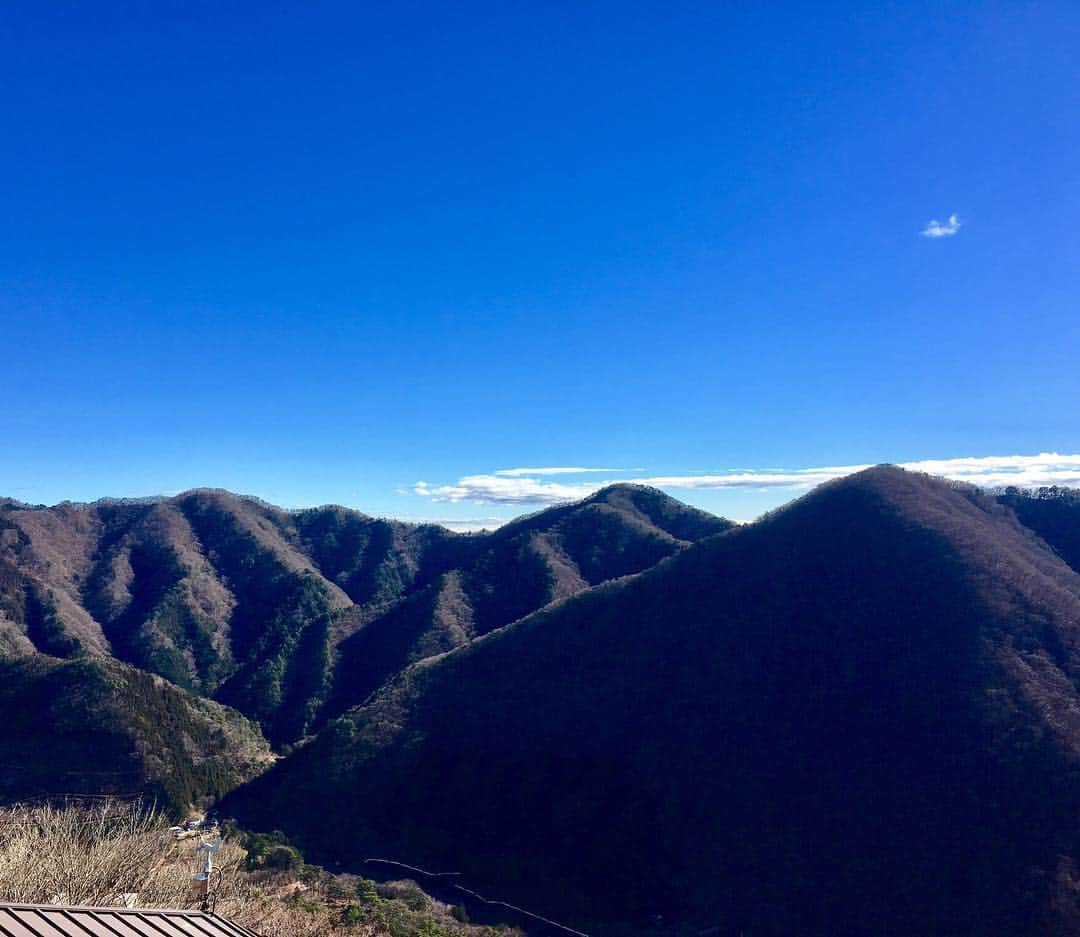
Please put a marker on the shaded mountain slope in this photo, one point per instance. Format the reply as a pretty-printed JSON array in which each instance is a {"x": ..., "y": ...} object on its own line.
[
  {"x": 432, "y": 620},
  {"x": 160, "y": 602},
  {"x": 859, "y": 715},
  {"x": 291, "y": 616},
  {"x": 1054, "y": 514},
  {"x": 96, "y": 726},
  {"x": 280, "y": 623},
  {"x": 375, "y": 561},
  {"x": 474, "y": 585},
  {"x": 52, "y": 552}
]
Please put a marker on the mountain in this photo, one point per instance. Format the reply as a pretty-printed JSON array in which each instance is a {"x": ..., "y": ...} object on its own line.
[
  {"x": 492, "y": 580},
  {"x": 291, "y": 617},
  {"x": 859, "y": 715},
  {"x": 96, "y": 726}
]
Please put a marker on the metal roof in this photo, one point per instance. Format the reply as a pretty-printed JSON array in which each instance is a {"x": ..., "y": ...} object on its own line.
[{"x": 46, "y": 920}]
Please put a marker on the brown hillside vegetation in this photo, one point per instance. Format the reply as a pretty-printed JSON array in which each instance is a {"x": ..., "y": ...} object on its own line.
[
  {"x": 273, "y": 612},
  {"x": 95, "y": 856}
]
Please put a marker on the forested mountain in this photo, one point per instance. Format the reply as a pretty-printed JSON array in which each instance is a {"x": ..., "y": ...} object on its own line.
[
  {"x": 98, "y": 726},
  {"x": 859, "y": 715},
  {"x": 292, "y": 616}
]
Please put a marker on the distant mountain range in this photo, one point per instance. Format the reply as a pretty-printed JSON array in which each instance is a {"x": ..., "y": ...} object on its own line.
[
  {"x": 858, "y": 715},
  {"x": 288, "y": 617}
]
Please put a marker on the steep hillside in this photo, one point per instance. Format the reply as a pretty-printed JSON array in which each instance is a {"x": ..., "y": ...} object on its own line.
[
  {"x": 859, "y": 715},
  {"x": 491, "y": 580},
  {"x": 49, "y": 555},
  {"x": 96, "y": 726},
  {"x": 294, "y": 616},
  {"x": 206, "y": 590},
  {"x": 375, "y": 561},
  {"x": 1054, "y": 514}
]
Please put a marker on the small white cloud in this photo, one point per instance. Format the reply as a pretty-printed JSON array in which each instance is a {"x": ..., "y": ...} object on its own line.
[{"x": 939, "y": 229}]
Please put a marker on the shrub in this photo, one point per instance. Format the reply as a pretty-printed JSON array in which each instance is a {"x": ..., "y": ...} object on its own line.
[
  {"x": 339, "y": 887},
  {"x": 285, "y": 858},
  {"x": 407, "y": 892},
  {"x": 367, "y": 891}
]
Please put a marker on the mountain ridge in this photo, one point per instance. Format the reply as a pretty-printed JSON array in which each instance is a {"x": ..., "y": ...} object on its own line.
[{"x": 261, "y": 608}]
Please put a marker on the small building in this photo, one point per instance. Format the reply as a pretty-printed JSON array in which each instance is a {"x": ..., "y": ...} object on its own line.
[{"x": 47, "y": 920}]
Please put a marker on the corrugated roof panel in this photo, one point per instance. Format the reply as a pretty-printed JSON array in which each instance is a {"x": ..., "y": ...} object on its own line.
[
  {"x": 117, "y": 926},
  {"x": 92, "y": 925},
  {"x": 181, "y": 927},
  {"x": 26, "y": 920},
  {"x": 11, "y": 926},
  {"x": 114, "y": 923},
  {"x": 39, "y": 923},
  {"x": 59, "y": 922}
]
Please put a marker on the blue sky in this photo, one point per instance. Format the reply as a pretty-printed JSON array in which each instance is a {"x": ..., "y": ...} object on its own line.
[{"x": 322, "y": 252}]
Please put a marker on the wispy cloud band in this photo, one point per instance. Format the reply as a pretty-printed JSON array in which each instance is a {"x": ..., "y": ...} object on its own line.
[{"x": 513, "y": 486}]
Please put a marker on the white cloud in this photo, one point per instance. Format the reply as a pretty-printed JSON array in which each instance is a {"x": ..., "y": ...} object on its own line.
[
  {"x": 942, "y": 229},
  {"x": 1047, "y": 468},
  {"x": 497, "y": 489},
  {"x": 461, "y": 525}
]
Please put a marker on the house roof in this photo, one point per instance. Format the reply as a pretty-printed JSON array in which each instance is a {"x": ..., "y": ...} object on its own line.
[{"x": 46, "y": 920}]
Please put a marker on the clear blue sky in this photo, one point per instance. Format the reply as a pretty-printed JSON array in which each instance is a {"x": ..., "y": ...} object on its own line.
[{"x": 319, "y": 252}]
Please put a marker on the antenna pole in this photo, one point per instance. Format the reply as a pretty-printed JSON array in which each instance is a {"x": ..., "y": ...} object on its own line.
[{"x": 204, "y": 862}]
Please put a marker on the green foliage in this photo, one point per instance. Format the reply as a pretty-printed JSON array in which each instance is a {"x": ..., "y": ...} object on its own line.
[
  {"x": 339, "y": 887},
  {"x": 283, "y": 858},
  {"x": 396, "y": 919},
  {"x": 158, "y": 627},
  {"x": 287, "y": 678},
  {"x": 271, "y": 851},
  {"x": 367, "y": 891},
  {"x": 407, "y": 892},
  {"x": 93, "y": 726},
  {"x": 352, "y": 915},
  {"x": 307, "y": 903}
]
